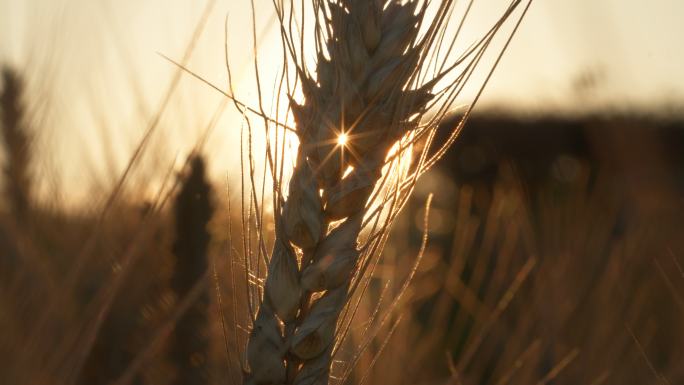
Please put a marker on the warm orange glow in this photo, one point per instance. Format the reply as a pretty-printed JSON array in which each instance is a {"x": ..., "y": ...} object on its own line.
[{"x": 342, "y": 139}]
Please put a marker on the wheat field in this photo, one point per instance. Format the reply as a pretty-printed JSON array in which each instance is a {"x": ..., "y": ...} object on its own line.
[{"x": 374, "y": 226}]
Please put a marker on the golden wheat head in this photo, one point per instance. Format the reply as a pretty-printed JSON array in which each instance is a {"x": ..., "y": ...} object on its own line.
[{"x": 370, "y": 89}]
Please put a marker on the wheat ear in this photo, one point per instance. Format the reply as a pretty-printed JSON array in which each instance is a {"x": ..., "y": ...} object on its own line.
[
  {"x": 372, "y": 89},
  {"x": 17, "y": 144}
]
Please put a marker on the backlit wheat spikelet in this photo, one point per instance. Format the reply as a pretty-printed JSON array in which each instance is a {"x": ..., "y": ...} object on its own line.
[{"x": 371, "y": 88}]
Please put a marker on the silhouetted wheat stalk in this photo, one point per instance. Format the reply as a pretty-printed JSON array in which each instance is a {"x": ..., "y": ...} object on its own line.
[
  {"x": 378, "y": 64},
  {"x": 193, "y": 211},
  {"x": 17, "y": 144},
  {"x": 384, "y": 80}
]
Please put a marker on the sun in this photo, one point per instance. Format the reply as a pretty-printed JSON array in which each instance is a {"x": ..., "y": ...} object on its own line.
[{"x": 342, "y": 139}]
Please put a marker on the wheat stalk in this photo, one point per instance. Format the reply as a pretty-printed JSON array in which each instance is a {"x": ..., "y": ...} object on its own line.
[
  {"x": 16, "y": 141},
  {"x": 193, "y": 211},
  {"x": 377, "y": 66}
]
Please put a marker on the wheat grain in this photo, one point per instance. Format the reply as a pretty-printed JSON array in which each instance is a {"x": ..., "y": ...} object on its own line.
[{"x": 371, "y": 89}]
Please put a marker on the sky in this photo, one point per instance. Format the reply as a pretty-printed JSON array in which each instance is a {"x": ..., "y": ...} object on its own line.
[{"x": 96, "y": 76}]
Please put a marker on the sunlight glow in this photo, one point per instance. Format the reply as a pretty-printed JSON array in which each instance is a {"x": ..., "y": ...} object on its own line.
[{"x": 342, "y": 139}]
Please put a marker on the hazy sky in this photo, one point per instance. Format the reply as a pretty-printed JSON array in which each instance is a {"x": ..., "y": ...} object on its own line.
[{"x": 95, "y": 63}]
